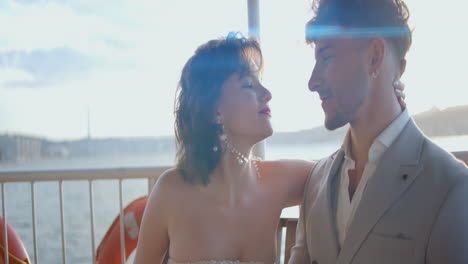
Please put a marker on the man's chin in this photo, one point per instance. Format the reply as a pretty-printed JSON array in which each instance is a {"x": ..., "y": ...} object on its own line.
[{"x": 335, "y": 122}]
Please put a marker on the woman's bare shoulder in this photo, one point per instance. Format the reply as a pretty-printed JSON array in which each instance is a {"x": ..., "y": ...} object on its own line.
[
  {"x": 169, "y": 184},
  {"x": 170, "y": 178}
]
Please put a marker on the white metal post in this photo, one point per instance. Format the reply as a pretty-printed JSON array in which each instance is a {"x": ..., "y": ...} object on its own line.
[{"x": 253, "y": 9}]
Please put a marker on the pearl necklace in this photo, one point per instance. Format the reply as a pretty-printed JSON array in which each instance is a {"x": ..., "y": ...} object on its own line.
[{"x": 242, "y": 159}]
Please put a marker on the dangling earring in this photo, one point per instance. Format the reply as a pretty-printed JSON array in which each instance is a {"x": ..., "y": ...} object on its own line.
[
  {"x": 223, "y": 135},
  {"x": 375, "y": 75}
]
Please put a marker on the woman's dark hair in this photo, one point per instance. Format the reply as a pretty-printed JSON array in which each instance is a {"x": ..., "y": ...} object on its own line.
[
  {"x": 368, "y": 18},
  {"x": 198, "y": 95}
]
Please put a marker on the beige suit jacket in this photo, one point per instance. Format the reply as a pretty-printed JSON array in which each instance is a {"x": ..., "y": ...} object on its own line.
[{"x": 414, "y": 209}]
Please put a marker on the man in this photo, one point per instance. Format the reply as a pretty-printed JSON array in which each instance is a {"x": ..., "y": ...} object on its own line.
[{"x": 389, "y": 195}]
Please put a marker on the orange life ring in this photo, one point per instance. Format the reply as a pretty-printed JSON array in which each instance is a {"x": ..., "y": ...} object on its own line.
[
  {"x": 108, "y": 251},
  {"x": 16, "y": 251}
]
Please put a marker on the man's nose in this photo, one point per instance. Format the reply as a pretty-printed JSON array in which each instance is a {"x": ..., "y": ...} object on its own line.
[{"x": 314, "y": 82}]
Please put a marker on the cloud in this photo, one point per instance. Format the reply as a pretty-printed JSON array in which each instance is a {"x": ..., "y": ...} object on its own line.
[
  {"x": 42, "y": 67},
  {"x": 47, "y": 42},
  {"x": 47, "y": 25}
]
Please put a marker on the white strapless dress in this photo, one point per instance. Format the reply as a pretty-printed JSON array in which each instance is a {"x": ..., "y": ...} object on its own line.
[{"x": 170, "y": 261}]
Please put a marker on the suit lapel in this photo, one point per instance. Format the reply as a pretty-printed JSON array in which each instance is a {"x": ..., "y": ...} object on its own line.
[
  {"x": 324, "y": 238},
  {"x": 397, "y": 170}
]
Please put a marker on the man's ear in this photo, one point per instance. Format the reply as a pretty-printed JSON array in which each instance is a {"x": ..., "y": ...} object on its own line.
[{"x": 376, "y": 55}]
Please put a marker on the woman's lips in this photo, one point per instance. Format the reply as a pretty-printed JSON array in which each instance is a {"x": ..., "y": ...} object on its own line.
[{"x": 265, "y": 111}]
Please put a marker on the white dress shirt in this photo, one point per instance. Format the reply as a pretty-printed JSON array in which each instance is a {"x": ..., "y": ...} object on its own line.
[{"x": 346, "y": 208}]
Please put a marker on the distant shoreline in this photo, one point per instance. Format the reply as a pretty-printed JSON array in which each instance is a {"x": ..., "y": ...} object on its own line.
[{"x": 435, "y": 123}]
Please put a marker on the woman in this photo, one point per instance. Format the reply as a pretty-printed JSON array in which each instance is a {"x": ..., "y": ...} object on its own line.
[{"x": 219, "y": 203}]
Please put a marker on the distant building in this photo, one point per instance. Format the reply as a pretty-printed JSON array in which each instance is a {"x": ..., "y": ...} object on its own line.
[
  {"x": 17, "y": 148},
  {"x": 54, "y": 150}
]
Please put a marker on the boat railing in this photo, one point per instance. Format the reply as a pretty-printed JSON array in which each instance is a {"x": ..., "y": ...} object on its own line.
[{"x": 287, "y": 226}]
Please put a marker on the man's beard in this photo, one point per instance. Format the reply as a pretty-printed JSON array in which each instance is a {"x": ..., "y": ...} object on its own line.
[
  {"x": 344, "y": 117},
  {"x": 337, "y": 121}
]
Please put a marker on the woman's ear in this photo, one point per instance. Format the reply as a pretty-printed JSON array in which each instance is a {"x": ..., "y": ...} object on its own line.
[
  {"x": 218, "y": 119},
  {"x": 402, "y": 66}
]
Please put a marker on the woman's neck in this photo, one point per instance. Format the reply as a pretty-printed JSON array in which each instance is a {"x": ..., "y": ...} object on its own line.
[{"x": 236, "y": 170}]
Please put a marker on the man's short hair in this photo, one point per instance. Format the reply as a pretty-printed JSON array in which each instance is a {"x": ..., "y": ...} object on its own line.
[{"x": 362, "y": 18}]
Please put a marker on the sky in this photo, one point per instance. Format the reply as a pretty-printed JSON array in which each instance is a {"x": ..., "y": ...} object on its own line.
[{"x": 118, "y": 62}]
